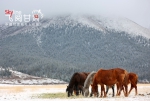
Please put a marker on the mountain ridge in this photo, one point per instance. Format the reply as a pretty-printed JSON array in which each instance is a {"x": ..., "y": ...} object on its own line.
[{"x": 98, "y": 22}]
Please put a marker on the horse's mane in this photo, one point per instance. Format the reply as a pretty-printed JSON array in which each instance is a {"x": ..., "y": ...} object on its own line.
[{"x": 88, "y": 79}]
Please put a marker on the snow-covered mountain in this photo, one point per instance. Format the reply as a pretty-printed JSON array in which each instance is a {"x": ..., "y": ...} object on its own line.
[{"x": 62, "y": 45}]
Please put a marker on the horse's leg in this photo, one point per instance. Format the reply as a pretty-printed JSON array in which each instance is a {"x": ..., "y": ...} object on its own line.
[
  {"x": 77, "y": 90},
  {"x": 117, "y": 89},
  {"x": 126, "y": 90},
  {"x": 91, "y": 93},
  {"x": 103, "y": 90},
  {"x": 113, "y": 91},
  {"x": 130, "y": 89},
  {"x": 120, "y": 89},
  {"x": 82, "y": 90},
  {"x": 136, "y": 90},
  {"x": 123, "y": 91},
  {"x": 107, "y": 88}
]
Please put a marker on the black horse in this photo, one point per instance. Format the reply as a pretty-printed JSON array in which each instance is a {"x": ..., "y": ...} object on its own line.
[{"x": 76, "y": 83}]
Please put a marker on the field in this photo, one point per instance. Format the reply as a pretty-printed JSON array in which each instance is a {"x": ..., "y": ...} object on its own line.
[{"x": 57, "y": 93}]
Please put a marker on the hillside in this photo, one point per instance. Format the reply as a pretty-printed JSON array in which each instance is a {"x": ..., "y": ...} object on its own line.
[
  {"x": 19, "y": 78},
  {"x": 63, "y": 45}
]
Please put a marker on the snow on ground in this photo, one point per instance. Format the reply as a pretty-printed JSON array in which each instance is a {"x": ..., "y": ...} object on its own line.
[
  {"x": 26, "y": 93},
  {"x": 22, "y": 78}
]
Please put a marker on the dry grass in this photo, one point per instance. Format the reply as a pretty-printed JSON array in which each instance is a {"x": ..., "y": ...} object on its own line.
[{"x": 57, "y": 95}]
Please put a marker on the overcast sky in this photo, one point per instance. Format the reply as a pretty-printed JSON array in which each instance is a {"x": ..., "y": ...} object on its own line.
[{"x": 136, "y": 10}]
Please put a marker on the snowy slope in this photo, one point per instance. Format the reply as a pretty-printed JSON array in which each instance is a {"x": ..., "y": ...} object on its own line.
[
  {"x": 101, "y": 23},
  {"x": 22, "y": 78},
  {"x": 114, "y": 23}
]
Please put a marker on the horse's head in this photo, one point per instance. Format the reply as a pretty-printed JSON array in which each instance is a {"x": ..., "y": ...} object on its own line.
[
  {"x": 86, "y": 91},
  {"x": 69, "y": 90}
]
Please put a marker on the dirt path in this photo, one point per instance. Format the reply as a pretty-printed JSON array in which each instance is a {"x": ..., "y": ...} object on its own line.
[{"x": 26, "y": 93}]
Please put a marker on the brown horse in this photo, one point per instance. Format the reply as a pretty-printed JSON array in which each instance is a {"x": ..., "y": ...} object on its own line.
[
  {"x": 133, "y": 78},
  {"x": 109, "y": 78},
  {"x": 77, "y": 80}
]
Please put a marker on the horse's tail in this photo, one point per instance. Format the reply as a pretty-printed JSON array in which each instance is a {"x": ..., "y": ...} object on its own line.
[
  {"x": 136, "y": 78},
  {"x": 126, "y": 78}
]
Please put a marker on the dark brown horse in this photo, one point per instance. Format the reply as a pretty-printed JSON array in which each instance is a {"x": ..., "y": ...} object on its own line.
[
  {"x": 77, "y": 80},
  {"x": 109, "y": 78}
]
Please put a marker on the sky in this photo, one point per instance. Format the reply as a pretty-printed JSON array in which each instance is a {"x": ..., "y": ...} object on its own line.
[{"x": 135, "y": 10}]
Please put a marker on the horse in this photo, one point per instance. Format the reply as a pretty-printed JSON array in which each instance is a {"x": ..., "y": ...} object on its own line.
[
  {"x": 87, "y": 83},
  {"x": 133, "y": 78},
  {"x": 76, "y": 80},
  {"x": 109, "y": 78}
]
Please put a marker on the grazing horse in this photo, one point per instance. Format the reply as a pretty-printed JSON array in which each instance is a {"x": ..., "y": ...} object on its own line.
[
  {"x": 133, "y": 78},
  {"x": 109, "y": 78},
  {"x": 76, "y": 80},
  {"x": 87, "y": 83}
]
